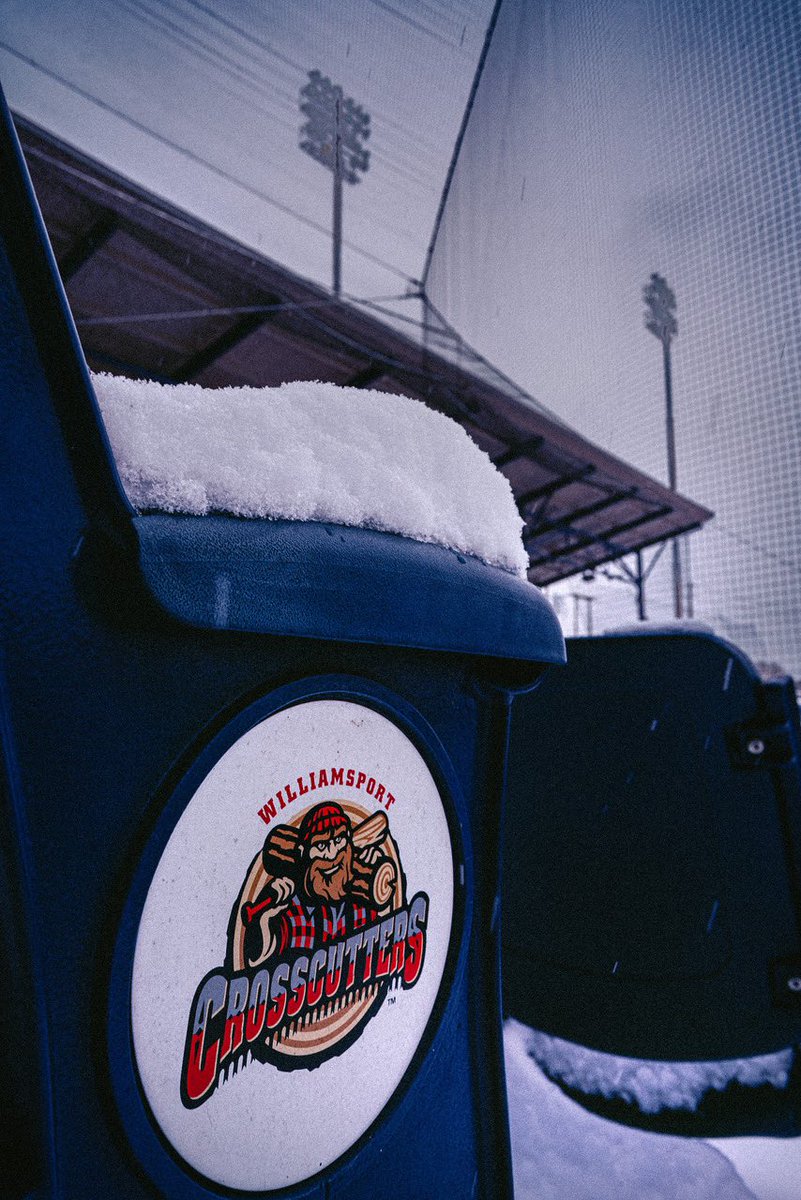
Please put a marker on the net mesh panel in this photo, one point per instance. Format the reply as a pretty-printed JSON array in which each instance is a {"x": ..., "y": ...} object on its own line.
[{"x": 609, "y": 140}]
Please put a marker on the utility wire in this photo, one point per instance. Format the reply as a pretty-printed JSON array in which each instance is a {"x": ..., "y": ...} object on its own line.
[
  {"x": 410, "y": 21},
  {"x": 210, "y": 53},
  {"x": 251, "y": 39},
  {"x": 248, "y": 37},
  {"x": 197, "y": 158},
  {"x": 284, "y": 112},
  {"x": 191, "y": 314}
]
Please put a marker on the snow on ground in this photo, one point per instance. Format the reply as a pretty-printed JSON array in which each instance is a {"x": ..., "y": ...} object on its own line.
[
  {"x": 311, "y": 452},
  {"x": 771, "y": 1167},
  {"x": 649, "y": 1084},
  {"x": 562, "y": 1152}
]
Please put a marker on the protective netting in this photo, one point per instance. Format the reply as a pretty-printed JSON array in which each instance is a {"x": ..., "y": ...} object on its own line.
[{"x": 607, "y": 141}]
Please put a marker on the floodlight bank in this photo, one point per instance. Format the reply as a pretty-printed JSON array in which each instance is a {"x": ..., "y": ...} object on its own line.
[{"x": 311, "y": 452}]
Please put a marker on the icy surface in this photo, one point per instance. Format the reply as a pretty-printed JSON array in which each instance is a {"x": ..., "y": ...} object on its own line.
[
  {"x": 311, "y": 452},
  {"x": 652, "y": 1085},
  {"x": 562, "y": 1152}
]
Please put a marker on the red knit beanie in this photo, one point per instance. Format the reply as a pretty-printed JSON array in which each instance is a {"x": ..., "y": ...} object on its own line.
[{"x": 324, "y": 818}]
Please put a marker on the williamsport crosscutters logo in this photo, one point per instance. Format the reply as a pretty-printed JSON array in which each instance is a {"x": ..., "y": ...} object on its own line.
[{"x": 319, "y": 933}]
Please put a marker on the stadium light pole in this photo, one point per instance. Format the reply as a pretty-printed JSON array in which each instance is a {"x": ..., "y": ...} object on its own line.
[
  {"x": 334, "y": 134},
  {"x": 660, "y": 320},
  {"x": 637, "y": 577}
]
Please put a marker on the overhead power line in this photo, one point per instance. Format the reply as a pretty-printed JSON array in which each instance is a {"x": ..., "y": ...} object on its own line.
[
  {"x": 416, "y": 136},
  {"x": 238, "y": 310},
  {"x": 198, "y": 159}
]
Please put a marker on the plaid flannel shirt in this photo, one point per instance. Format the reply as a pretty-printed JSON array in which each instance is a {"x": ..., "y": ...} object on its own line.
[{"x": 307, "y": 926}]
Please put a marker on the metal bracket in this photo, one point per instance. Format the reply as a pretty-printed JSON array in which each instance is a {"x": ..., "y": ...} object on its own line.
[
  {"x": 787, "y": 983},
  {"x": 758, "y": 744}
]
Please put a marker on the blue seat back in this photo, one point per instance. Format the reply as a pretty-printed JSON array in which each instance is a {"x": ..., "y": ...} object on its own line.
[{"x": 652, "y": 847}]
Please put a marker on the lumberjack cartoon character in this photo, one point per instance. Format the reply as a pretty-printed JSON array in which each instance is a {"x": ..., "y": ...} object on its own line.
[
  {"x": 326, "y": 879},
  {"x": 321, "y": 930}
]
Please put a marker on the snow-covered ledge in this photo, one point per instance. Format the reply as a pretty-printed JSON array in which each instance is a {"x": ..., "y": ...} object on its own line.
[
  {"x": 651, "y": 1085},
  {"x": 311, "y": 452}
]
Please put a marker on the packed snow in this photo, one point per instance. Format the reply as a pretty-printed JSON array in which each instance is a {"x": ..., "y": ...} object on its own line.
[
  {"x": 652, "y": 1085},
  {"x": 559, "y": 1150},
  {"x": 311, "y": 452}
]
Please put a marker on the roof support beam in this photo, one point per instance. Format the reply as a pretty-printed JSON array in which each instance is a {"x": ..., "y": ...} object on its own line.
[
  {"x": 589, "y": 510},
  {"x": 585, "y": 539},
  {"x": 100, "y": 360},
  {"x": 527, "y": 449},
  {"x": 556, "y": 485},
  {"x": 86, "y": 245},
  {"x": 661, "y": 510},
  {"x": 203, "y": 358},
  {"x": 367, "y": 375}
]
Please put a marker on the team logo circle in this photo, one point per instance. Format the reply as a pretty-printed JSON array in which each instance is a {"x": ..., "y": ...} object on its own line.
[{"x": 292, "y": 945}]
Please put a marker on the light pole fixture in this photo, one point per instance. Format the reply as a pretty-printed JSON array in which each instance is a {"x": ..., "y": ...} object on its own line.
[
  {"x": 660, "y": 320},
  {"x": 334, "y": 134}
]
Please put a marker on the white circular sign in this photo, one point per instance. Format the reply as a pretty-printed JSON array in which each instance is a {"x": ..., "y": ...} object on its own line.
[{"x": 292, "y": 945}]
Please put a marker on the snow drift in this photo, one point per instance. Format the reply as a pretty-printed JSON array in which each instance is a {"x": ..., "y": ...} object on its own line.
[{"x": 559, "y": 1150}]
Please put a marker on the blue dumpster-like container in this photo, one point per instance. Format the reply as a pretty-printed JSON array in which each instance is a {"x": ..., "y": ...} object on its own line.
[{"x": 252, "y": 782}]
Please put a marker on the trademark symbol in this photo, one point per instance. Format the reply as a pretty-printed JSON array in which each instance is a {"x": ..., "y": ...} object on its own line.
[{"x": 391, "y": 999}]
